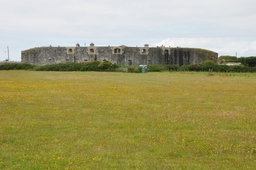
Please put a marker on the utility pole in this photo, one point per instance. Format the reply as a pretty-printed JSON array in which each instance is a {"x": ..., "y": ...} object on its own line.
[{"x": 8, "y": 53}]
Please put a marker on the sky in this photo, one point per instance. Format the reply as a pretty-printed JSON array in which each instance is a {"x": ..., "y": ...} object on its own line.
[{"x": 227, "y": 27}]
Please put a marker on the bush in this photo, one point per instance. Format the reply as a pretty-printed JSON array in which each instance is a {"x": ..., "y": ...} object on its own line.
[
  {"x": 194, "y": 67},
  {"x": 156, "y": 68},
  {"x": 106, "y": 66},
  {"x": 209, "y": 65},
  {"x": 133, "y": 69},
  {"x": 248, "y": 61},
  {"x": 86, "y": 66},
  {"x": 173, "y": 67},
  {"x": 240, "y": 69},
  {"x": 90, "y": 66},
  {"x": 184, "y": 68},
  {"x": 16, "y": 66},
  {"x": 253, "y": 69},
  {"x": 56, "y": 67},
  {"x": 228, "y": 58},
  {"x": 222, "y": 68}
]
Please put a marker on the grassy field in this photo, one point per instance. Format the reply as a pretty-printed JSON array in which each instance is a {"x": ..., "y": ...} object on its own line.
[{"x": 96, "y": 120}]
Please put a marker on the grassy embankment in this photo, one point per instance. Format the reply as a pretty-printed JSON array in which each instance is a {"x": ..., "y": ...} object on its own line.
[{"x": 95, "y": 120}]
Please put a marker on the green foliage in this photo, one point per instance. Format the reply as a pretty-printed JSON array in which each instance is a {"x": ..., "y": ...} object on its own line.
[
  {"x": 107, "y": 66},
  {"x": 90, "y": 66},
  {"x": 248, "y": 61},
  {"x": 228, "y": 58},
  {"x": 156, "y": 68},
  {"x": 194, "y": 67},
  {"x": 248, "y": 66},
  {"x": 205, "y": 66},
  {"x": 241, "y": 69},
  {"x": 209, "y": 65},
  {"x": 184, "y": 68},
  {"x": 57, "y": 67},
  {"x": 86, "y": 66},
  {"x": 16, "y": 66},
  {"x": 223, "y": 68},
  {"x": 172, "y": 67},
  {"x": 133, "y": 69}
]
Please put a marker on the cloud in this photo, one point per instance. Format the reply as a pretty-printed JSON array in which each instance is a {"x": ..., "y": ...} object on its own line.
[{"x": 28, "y": 23}]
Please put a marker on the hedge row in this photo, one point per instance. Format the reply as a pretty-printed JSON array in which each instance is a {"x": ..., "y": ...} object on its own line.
[
  {"x": 247, "y": 61},
  {"x": 86, "y": 66},
  {"x": 210, "y": 65},
  {"x": 108, "y": 66},
  {"x": 16, "y": 66}
]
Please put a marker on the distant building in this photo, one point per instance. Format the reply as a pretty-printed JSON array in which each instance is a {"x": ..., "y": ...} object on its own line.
[
  {"x": 233, "y": 64},
  {"x": 121, "y": 55}
]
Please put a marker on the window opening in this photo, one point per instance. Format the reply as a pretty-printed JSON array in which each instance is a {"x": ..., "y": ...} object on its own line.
[
  {"x": 129, "y": 62},
  {"x": 117, "y": 51}
]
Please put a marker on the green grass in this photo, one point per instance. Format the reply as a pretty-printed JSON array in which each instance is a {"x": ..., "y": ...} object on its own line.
[{"x": 95, "y": 120}]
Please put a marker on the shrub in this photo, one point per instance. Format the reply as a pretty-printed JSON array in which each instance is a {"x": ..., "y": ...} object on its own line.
[
  {"x": 222, "y": 68},
  {"x": 228, "y": 58},
  {"x": 253, "y": 69},
  {"x": 184, "y": 68},
  {"x": 16, "y": 66},
  {"x": 240, "y": 69},
  {"x": 106, "y": 66},
  {"x": 156, "y": 68},
  {"x": 86, "y": 66},
  {"x": 194, "y": 67},
  {"x": 209, "y": 65},
  {"x": 133, "y": 69},
  {"x": 56, "y": 67},
  {"x": 90, "y": 66},
  {"x": 173, "y": 67},
  {"x": 248, "y": 61}
]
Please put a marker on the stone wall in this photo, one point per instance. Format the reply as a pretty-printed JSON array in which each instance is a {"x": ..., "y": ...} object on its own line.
[{"x": 121, "y": 55}]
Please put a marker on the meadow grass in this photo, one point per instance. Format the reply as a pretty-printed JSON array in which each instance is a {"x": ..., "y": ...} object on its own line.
[{"x": 96, "y": 120}]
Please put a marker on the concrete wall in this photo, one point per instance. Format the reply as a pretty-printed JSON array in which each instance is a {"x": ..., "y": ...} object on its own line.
[{"x": 120, "y": 55}]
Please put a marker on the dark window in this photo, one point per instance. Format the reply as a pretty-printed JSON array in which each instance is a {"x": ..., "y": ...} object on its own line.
[
  {"x": 129, "y": 62},
  {"x": 166, "y": 53},
  {"x": 117, "y": 51}
]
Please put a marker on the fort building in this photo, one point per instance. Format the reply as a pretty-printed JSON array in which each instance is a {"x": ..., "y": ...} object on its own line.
[{"x": 121, "y": 55}]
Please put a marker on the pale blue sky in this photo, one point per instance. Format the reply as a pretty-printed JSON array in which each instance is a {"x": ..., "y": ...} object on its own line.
[{"x": 225, "y": 26}]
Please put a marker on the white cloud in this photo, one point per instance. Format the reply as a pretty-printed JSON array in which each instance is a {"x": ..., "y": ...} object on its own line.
[{"x": 29, "y": 23}]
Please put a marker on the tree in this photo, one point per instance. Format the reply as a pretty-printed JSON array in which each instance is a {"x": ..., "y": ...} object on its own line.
[{"x": 209, "y": 64}]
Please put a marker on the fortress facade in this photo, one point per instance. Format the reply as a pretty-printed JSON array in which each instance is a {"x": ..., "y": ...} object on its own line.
[{"x": 121, "y": 55}]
